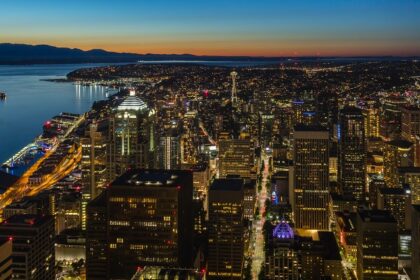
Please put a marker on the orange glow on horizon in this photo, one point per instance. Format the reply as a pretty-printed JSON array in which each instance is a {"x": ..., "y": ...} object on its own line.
[{"x": 263, "y": 48}]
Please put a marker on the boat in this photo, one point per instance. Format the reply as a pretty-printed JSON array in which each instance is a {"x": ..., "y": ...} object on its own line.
[{"x": 2, "y": 95}]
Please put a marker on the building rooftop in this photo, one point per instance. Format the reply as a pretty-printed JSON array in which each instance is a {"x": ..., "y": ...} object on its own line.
[
  {"x": 340, "y": 197},
  {"x": 302, "y": 127},
  {"x": 332, "y": 250},
  {"x": 25, "y": 220},
  {"x": 409, "y": 169},
  {"x": 347, "y": 221},
  {"x": 151, "y": 177},
  {"x": 351, "y": 110},
  {"x": 6, "y": 180},
  {"x": 400, "y": 143},
  {"x": 377, "y": 216},
  {"x": 393, "y": 191},
  {"x": 230, "y": 184},
  {"x": 132, "y": 102}
]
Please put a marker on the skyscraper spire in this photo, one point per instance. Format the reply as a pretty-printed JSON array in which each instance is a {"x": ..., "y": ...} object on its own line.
[{"x": 234, "y": 97}]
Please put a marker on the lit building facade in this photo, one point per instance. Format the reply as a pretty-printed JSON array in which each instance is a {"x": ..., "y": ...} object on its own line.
[
  {"x": 410, "y": 122},
  {"x": 398, "y": 202},
  {"x": 6, "y": 258},
  {"x": 377, "y": 245},
  {"x": 235, "y": 156},
  {"x": 311, "y": 177},
  {"x": 397, "y": 154},
  {"x": 226, "y": 230},
  {"x": 352, "y": 153},
  {"x": 415, "y": 242},
  {"x": 148, "y": 221},
  {"x": 131, "y": 136},
  {"x": 32, "y": 239}
]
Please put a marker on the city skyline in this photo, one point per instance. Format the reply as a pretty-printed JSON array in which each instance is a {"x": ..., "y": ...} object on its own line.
[{"x": 250, "y": 28}]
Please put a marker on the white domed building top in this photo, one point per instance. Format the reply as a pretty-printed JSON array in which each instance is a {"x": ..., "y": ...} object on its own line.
[{"x": 132, "y": 103}]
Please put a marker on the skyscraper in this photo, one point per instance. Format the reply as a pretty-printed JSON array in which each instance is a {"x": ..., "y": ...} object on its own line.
[
  {"x": 310, "y": 180},
  {"x": 371, "y": 120},
  {"x": 170, "y": 149},
  {"x": 93, "y": 165},
  {"x": 131, "y": 136},
  {"x": 398, "y": 202},
  {"x": 352, "y": 153},
  {"x": 226, "y": 229},
  {"x": 377, "y": 245},
  {"x": 234, "y": 96},
  {"x": 32, "y": 237},
  {"x": 397, "y": 154},
  {"x": 410, "y": 122},
  {"x": 148, "y": 222},
  {"x": 236, "y": 156},
  {"x": 415, "y": 242},
  {"x": 6, "y": 258}
]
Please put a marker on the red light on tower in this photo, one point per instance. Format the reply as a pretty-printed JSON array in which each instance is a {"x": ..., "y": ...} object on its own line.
[
  {"x": 203, "y": 271},
  {"x": 10, "y": 238},
  {"x": 178, "y": 188}
]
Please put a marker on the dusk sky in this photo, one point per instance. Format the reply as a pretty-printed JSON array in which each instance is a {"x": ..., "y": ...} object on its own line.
[{"x": 257, "y": 28}]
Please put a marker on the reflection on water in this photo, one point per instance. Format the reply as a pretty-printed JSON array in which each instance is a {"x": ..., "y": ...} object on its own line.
[{"x": 31, "y": 101}]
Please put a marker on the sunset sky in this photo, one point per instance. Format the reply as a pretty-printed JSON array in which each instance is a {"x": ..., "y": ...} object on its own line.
[{"x": 216, "y": 27}]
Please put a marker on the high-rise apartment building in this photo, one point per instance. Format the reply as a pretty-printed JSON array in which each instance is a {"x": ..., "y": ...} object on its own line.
[
  {"x": 311, "y": 177},
  {"x": 32, "y": 239},
  {"x": 352, "y": 153},
  {"x": 226, "y": 229},
  {"x": 169, "y": 151},
  {"x": 371, "y": 114}
]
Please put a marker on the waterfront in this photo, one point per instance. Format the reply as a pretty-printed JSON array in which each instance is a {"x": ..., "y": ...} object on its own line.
[{"x": 31, "y": 101}]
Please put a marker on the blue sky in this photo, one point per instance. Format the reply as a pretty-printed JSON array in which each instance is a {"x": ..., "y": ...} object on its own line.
[{"x": 281, "y": 27}]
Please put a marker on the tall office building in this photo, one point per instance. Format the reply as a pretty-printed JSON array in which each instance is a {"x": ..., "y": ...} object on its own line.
[
  {"x": 148, "y": 222},
  {"x": 398, "y": 202},
  {"x": 415, "y": 242},
  {"x": 411, "y": 176},
  {"x": 226, "y": 229},
  {"x": 410, "y": 129},
  {"x": 311, "y": 177},
  {"x": 377, "y": 245},
  {"x": 6, "y": 258},
  {"x": 131, "y": 136},
  {"x": 33, "y": 254},
  {"x": 236, "y": 156},
  {"x": 352, "y": 153},
  {"x": 390, "y": 117},
  {"x": 397, "y": 154},
  {"x": 234, "y": 94},
  {"x": 305, "y": 255},
  {"x": 410, "y": 122},
  {"x": 96, "y": 237}
]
